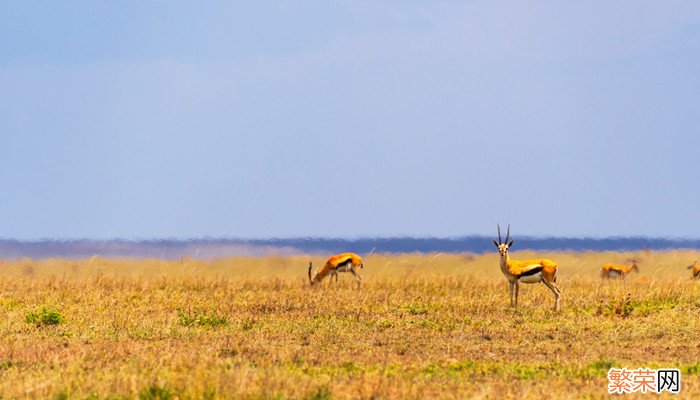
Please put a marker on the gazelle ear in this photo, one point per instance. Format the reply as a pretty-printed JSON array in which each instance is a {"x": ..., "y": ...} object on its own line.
[
  {"x": 496, "y": 243},
  {"x": 511, "y": 243}
]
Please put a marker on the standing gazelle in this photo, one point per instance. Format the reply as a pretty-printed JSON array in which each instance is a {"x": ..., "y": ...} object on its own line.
[
  {"x": 695, "y": 268},
  {"x": 345, "y": 262},
  {"x": 529, "y": 271},
  {"x": 610, "y": 270}
]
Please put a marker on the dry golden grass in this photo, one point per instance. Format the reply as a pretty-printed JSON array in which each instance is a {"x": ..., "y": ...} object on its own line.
[{"x": 421, "y": 326}]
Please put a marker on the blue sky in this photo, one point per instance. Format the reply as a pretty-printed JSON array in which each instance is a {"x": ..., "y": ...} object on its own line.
[{"x": 154, "y": 119}]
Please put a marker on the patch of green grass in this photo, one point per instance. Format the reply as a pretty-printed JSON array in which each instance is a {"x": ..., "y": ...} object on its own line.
[
  {"x": 209, "y": 393},
  {"x": 61, "y": 396},
  {"x": 45, "y": 317},
  {"x": 198, "y": 318},
  {"x": 10, "y": 304},
  {"x": 155, "y": 392},
  {"x": 599, "y": 367},
  {"x": 649, "y": 306},
  {"x": 320, "y": 394},
  {"x": 351, "y": 368},
  {"x": 691, "y": 369},
  {"x": 522, "y": 371},
  {"x": 381, "y": 324},
  {"x": 514, "y": 370},
  {"x": 467, "y": 365},
  {"x": 416, "y": 309},
  {"x": 6, "y": 364}
]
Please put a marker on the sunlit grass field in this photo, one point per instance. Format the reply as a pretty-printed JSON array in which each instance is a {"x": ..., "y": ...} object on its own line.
[{"x": 422, "y": 326}]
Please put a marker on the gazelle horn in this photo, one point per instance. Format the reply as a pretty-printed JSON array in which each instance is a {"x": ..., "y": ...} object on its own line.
[
  {"x": 508, "y": 234},
  {"x": 499, "y": 233}
]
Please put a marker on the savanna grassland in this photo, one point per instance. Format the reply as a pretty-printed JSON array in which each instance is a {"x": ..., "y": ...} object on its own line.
[{"x": 422, "y": 326}]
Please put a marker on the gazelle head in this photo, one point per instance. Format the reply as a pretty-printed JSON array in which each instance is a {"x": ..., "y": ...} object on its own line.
[
  {"x": 691, "y": 266},
  {"x": 634, "y": 268},
  {"x": 503, "y": 246}
]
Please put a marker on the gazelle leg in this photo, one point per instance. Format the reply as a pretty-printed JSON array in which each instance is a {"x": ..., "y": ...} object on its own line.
[
  {"x": 357, "y": 276},
  {"x": 512, "y": 286},
  {"x": 336, "y": 278},
  {"x": 517, "y": 289},
  {"x": 557, "y": 293}
]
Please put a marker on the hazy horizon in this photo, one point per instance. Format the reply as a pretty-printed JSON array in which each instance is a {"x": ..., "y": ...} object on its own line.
[{"x": 210, "y": 248}]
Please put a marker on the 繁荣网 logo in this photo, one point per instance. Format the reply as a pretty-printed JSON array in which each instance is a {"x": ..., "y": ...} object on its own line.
[{"x": 644, "y": 380}]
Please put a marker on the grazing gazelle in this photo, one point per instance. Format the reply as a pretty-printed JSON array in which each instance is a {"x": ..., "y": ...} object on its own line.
[
  {"x": 529, "y": 271},
  {"x": 695, "y": 267},
  {"x": 345, "y": 262},
  {"x": 610, "y": 270}
]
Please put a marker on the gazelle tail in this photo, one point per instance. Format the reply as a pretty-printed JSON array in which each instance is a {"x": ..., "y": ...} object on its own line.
[{"x": 310, "y": 267}]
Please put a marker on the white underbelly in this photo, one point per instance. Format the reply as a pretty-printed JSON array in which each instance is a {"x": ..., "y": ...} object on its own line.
[{"x": 532, "y": 278}]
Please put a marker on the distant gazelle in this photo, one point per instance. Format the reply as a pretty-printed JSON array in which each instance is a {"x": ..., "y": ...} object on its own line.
[
  {"x": 345, "y": 262},
  {"x": 529, "y": 271},
  {"x": 695, "y": 268},
  {"x": 610, "y": 270}
]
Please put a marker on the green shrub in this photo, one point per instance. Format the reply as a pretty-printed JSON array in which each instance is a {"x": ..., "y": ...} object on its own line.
[{"x": 46, "y": 317}]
